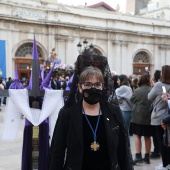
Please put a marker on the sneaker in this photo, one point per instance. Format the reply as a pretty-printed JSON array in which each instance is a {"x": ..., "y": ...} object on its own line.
[
  {"x": 160, "y": 167},
  {"x": 154, "y": 155}
]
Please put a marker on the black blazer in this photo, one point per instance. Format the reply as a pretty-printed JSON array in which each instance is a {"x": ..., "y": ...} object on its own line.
[
  {"x": 56, "y": 85},
  {"x": 68, "y": 134}
]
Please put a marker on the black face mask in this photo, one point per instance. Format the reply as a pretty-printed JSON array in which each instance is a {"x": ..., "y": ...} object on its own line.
[{"x": 94, "y": 95}]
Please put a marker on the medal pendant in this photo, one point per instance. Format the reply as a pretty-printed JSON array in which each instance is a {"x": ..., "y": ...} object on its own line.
[{"x": 95, "y": 146}]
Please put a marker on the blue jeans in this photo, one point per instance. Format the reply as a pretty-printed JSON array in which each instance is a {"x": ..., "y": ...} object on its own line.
[{"x": 127, "y": 117}]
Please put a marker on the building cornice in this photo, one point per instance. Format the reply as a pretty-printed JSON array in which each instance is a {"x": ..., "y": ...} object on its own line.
[
  {"x": 63, "y": 37},
  {"x": 126, "y": 43},
  {"x": 88, "y": 13},
  {"x": 110, "y": 22},
  {"x": 164, "y": 46},
  {"x": 81, "y": 27}
]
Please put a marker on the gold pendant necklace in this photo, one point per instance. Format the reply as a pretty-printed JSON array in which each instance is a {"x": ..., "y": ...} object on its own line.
[{"x": 95, "y": 146}]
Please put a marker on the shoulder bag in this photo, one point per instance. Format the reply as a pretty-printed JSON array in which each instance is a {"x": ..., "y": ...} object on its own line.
[{"x": 153, "y": 107}]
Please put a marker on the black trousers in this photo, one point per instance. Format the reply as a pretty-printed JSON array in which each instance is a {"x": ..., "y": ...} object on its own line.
[
  {"x": 155, "y": 140},
  {"x": 165, "y": 151}
]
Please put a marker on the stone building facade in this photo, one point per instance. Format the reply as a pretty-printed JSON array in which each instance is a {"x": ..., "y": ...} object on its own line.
[
  {"x": 159, "y": 9},
  {"x": 130, "y": 43}
]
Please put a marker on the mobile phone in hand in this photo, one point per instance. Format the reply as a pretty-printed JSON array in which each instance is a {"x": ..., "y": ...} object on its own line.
[
  {"x": 164, "y": 89},
  {"x": 146, "y": 69}
]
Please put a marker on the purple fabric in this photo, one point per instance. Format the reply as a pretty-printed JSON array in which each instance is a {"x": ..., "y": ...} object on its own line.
[
  {"x": 46, "y": 82},
  {"x": 69, "y": 83},
  {"x": 34, "y": 57},
  {"x": 58, "y": 61},
  {"x": 43, "y": 134},
  {"x": 28, "y": 123},
  {"x": 42, "y": 73},
  {"x": 27, "y": 149},
  {"x": 27, "y": 136},
  {"x": 35, "y": 51},
  {"x": 16, "y": 73},
  {"x": 16, "y": 84},
  {"x": 43, "y": 145}
]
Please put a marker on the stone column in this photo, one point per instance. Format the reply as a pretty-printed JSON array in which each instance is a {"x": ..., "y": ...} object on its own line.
[
  {"x": 116, "y": 57},
  {"x": 65, "y": 48},
  {"x": 125, "y": 61},
  {"x": 167, "y": 55},
  {"x": 61, "y": 46},
  {"x": 162, "y": 58},
  {"x": 110, "y": 55},
  {"x": 120, "y": 59},
  {"x": 69, "y": 50},
  {"x": 51, "y": 41},
  {"x": 156, "y": 57},
  {"x": 9, "y": 55}
]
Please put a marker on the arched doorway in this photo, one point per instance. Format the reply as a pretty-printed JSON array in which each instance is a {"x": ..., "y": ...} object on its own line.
[
  {"x": 97, "y": 51},
  {"x": 140, "y": 62},
  {"x": 23, "y": 57}
]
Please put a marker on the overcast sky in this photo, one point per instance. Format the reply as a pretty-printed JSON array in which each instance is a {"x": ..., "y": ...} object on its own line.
[{"x": 112, "y": 3}]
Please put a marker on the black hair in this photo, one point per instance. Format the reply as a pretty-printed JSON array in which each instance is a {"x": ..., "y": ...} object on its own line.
[
  {"x": 157, "y": 75},
  {"x": 123, "y": 80}
]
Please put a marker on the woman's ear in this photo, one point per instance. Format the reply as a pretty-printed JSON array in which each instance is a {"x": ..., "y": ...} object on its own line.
[{"x": 80, "y": 88}]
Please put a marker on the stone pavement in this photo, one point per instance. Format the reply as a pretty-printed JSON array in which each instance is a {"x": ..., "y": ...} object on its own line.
[{"x": 10, "y": 152}]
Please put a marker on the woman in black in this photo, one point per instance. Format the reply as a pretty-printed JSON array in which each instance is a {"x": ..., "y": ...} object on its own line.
[{"x": 91, "y": 134}]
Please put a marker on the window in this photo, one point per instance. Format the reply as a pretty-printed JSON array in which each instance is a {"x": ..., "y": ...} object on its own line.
[
  {"x": 141, "y": 57},
  {"x": 25, "y": 50}
]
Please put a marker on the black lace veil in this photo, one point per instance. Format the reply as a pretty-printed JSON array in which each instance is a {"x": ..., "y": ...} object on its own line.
[{"x": 83, "y": 61}]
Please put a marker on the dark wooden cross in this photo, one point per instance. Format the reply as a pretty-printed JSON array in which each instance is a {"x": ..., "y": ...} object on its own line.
[{"x": 35, "y": 92}]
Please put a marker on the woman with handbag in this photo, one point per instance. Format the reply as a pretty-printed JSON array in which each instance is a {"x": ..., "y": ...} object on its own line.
[{"x": 161, "y": 107}]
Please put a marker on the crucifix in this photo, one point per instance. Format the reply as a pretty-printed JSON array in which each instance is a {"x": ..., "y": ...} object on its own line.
[{"x": 36, "y": 138}]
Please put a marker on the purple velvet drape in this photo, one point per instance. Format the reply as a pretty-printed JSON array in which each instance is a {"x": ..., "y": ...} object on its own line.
[{"x": 28, "y": 132}]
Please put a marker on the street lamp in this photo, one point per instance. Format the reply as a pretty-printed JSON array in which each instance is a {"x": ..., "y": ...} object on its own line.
[
  {"x": 85, "y": 42},
  {"x": 87, "y": 48},
  {"x": 91, "y": 47},
  {"x": 79, "y": 47},
  {"x": 47, "y": 65}
]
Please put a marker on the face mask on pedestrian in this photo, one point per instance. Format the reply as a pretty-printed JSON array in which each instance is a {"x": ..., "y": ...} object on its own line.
[{"x": 92, "y": 95}]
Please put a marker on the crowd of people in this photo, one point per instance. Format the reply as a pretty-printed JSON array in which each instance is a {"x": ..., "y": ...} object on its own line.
[
  {"x": 134, "y": 96},
  {"x": 4, "y": 84},
  {"x": 59, "y": 82}
]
